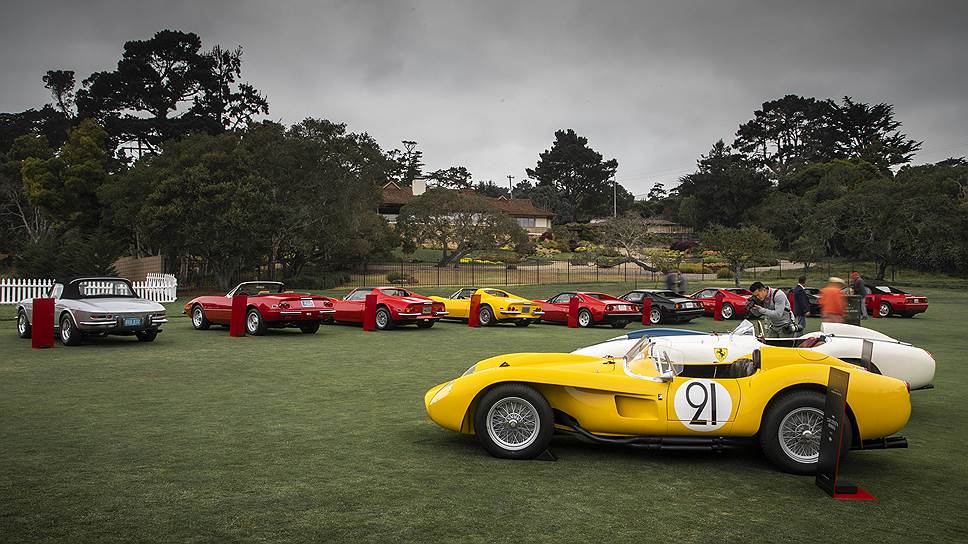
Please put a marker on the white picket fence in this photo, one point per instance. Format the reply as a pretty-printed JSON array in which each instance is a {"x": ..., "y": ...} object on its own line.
[{"x": 156, "y": 287}]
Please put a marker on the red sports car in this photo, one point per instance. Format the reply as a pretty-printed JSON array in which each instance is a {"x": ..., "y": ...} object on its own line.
[
  {"x": 734, "y": 301},
  {"x": 895, "y": 302},
  {"x": 593, "y": 309},
  {"x": 270, "y": 306},
  {"x": 394, "y": 306}
]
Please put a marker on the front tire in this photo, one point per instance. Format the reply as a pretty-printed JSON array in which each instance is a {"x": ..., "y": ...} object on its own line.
[
  {"x": 199, "y": 321},
  {"x": 69, "y": 333},
  {"x": 146, "y": 336},
  {"x": 885, "y": 310},
  {"x": 309, "y": 328},
  {"x": 790, "y": 435},
  {"x": 514, "y": 421},
  {"x": 254, "y": 323},
  {"x": 486, "y": 316},
  {"x": 23, "y": 324},
  {"x": 585, "y": 318},
  {"x": 727, "y": 311}
]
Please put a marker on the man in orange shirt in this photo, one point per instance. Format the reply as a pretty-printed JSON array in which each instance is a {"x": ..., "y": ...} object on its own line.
[{"x": 833, "y": 302}]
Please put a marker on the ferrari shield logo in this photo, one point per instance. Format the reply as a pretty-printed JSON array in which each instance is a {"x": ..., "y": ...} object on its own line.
[{"x": 720, "y": 353}]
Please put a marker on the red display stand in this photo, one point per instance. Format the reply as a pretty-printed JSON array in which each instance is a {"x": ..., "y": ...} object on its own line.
[
  {"x": 646, "y": 310},
  {"x": 42, "y": 323},
  {"x": 237, "y": 319},
  {"x": 474, "y": 313},
  {"x": 790, "y": 298},
  {"x": 573, "y": 312},
  {"x": 718, "y": 306},
  {"x": 369, "y": 313},
  {"x": 877, "y": 306}
]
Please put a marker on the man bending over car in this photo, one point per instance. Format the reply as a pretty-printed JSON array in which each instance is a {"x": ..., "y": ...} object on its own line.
[{"x": 774, "y": 307}]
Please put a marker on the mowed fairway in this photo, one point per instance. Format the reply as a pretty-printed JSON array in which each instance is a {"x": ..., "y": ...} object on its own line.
[{"x": 200, "y": 437}]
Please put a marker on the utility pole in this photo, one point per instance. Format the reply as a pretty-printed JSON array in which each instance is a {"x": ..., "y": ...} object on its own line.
[
  {"x": 614, "y": 198},
  {"x": 510, "y": 188}
]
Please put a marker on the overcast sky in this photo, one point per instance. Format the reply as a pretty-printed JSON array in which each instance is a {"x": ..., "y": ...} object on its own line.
[{"x": 485, "y": 84}]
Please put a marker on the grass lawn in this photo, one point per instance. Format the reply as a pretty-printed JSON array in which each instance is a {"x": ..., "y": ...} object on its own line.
[{"x": 200, "y": 437}]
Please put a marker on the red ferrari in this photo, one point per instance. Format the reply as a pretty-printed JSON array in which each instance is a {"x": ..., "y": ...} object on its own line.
[
  {"x": 270, "y": 306},
  {"x": 394, "y": 306},
  {"x": 895, "y": 302},
  {"x": 593, "y": 309},
  {"x": 734, "y": 301}
]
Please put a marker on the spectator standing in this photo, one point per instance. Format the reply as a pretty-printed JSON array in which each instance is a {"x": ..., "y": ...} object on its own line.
[
  {"x": 801, "y": 303},
  {"x": 682, "y": 284},
  {"x": 670, "y": 280},
  {"x": 774, "y": 307},
  {"x": 833, "y": 302},
  {"x": 858, "y": 287}
]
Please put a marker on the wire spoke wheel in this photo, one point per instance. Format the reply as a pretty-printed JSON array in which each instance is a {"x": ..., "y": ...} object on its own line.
[
  {"x": 799, "y": 434},
  {"x": 513, "y": 423}
]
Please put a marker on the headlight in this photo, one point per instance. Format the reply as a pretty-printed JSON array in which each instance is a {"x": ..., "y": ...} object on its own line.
[
  {"x": 469, "y": 371},
  {"x": 443, "y": 392}
]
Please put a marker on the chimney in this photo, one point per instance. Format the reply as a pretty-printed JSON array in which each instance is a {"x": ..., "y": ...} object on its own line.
[{"x": 419, "y": 186}]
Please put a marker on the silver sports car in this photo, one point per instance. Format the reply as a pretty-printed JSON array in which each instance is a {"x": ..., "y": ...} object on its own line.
[{"x": 97, "y": 307}]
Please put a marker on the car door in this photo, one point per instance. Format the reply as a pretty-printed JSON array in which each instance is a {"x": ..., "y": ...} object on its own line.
[
  {"x": 350, "y": 307},
  {"x": 706, "y": 296},
  {"x": 702, "y": 405},
  {"x": 459, "y": 304},
  {"x": 634, "y": 296},
  {"x": 558, "y": 307},
  {"x": 217, "y": 309}
]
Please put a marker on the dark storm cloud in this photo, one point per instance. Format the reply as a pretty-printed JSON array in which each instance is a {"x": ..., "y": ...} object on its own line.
[{"x": 485, "y": 84}]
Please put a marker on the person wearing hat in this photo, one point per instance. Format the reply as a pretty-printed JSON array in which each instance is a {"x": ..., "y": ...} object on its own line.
[{"x": 833, "y": 302}]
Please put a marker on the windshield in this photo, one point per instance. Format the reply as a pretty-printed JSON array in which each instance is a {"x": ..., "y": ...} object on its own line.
[
  {"x": 104, "y": 288},
  {"x": 744, "y": 328},
  {"x": 256, "y": 288},
  {"x": 647, "y": 359}
]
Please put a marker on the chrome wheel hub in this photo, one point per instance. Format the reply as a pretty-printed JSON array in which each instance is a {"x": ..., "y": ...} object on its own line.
[
  {"x": 513, "y": 423},
  {"x": 22, "y": 323},
  {"x": 197, "y": 317},
  {"x": 381, "y": 319},
  {"x": 799, "y": 434},
  {"x": 252, "y": 322}
]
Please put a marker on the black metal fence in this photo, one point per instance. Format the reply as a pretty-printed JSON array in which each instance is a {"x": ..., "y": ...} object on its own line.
[{"x": 482, "y": 273}]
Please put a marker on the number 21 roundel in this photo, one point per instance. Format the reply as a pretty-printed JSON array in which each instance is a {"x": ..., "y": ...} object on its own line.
[{"x": 703, "y": 405}]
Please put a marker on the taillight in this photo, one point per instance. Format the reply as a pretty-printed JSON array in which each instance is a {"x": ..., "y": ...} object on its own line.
[
  {"x": 609, "y": 308},
  {"x": 678, "y": 306},
  {"x": 283, "y": 305},
  {"x": 410, "y": 309},
  {"x": 327, "y": 304}
]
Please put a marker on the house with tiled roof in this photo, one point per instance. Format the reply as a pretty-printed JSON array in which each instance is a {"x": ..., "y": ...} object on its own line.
[{"x": 532, "y": 219}]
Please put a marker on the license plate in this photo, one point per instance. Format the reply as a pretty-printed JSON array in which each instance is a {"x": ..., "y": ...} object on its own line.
[
  {"x": 525, "y": 309},
  {"x": 307, "y": 303},
  {"x": 427, "y": 309},
  {"x": 132, "y": 322}
]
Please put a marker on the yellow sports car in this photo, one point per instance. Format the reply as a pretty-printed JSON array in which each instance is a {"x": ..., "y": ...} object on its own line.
[
  {"x": 653, "y": 398},
  {"x": 496, "y": 306}
]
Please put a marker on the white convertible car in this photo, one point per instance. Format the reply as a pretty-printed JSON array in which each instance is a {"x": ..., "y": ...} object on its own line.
[{"x": 887, "y": 356}]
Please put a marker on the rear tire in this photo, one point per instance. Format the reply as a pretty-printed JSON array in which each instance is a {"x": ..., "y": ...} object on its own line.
[
  {"x": 69, "y": 333},
  {"x": 486, "y": 316},
  {"x": 885, "y": 310},
  {"x": 514, "y": 421},
  {"x": 309, "y": 328},
  {"x": 23, "y": 324},
  {"x": 791, "y": 430},
  {"x": 199, "y": 321},
  {"x": 727, "y": 311},
  {"x": 655, "y": 316},
  {"x": 254, "y": 323},
  {"x": 383, "y": 320},
  {"x": 146, "y": 336},
  {"x": 585, "y": 318}
]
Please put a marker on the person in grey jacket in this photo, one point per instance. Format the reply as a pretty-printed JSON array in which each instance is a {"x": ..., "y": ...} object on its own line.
[
  {"x": 858, "y": 287},
  {"x": 774, "y": 307}
]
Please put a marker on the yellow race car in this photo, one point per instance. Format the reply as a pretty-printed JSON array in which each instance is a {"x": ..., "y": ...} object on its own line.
[
  {"x": 496, "y": 306},
  {"x": 652, "y": 398}
]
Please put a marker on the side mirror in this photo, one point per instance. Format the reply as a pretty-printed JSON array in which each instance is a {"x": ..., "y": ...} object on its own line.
[{"x": 666, "y": 376}]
